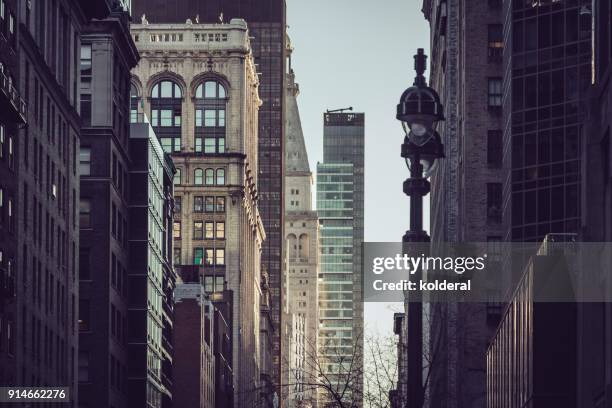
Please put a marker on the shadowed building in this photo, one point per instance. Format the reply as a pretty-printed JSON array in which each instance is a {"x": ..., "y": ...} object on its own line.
[
  {"x": 467, "y": 47},
  {"x": 107, "y": 54}
]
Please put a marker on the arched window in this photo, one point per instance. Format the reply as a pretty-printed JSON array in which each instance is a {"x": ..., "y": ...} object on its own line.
[
  {"x": 220, "y": 177},
  {"x": 197, "y": 177},
  {"x": 210, "y": 103},
  {"x": 210, "y": 177},
  {"x": 166, "y": 114},
  {"x": 134, "y": 103}
]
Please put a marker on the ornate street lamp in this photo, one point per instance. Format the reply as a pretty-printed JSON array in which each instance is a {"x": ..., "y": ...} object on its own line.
[{"x": 419, "y": 110}]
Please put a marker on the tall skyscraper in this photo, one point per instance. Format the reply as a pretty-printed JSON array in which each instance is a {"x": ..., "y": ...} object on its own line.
[
  {"x": 466, "y": 188},
  {"x": 267, "y": 26},
  {"x": 301, "y": 324},
  {"x": 340, "y": 201},
  {"x": 199, "y": 86}
]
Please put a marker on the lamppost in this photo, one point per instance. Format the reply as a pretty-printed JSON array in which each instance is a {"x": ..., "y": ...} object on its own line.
[{"x": 419, "y": 110}]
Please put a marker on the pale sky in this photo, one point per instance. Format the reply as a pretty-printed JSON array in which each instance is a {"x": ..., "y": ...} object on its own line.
[{"x": 359, "y": 53}]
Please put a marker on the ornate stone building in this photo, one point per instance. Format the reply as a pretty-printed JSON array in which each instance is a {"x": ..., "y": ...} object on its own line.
[
  {"x": 301, "y": 324},
  {"x": 198, "y": 85}
]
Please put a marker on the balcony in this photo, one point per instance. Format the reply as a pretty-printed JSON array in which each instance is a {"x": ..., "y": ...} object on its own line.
[{"x": 10, "y": 101}]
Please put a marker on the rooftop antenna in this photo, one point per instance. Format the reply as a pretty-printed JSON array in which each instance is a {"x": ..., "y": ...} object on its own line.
[{"x": 350, "y": 108}]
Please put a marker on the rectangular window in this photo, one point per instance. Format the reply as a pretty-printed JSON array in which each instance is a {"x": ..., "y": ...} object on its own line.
[
  {"x": 209, "y": 256},
  {"x": 84, "y": 270},
  {"x": 221, "y": 114},
  {"x": 209, "y": 145},
  {"x": 209, "y": 230},
  {"x": 198, "y": 144},
  {"x": 85, "y": 66},
  {"x": 494, "y": 202},
  {"x": 85, "y": 213},
  {"x": 221, "y": 142},
  {"x": 220, "y": 230},
  {"x": 198, "y": 230},
  {"x": 84, "y": 315},
  {"x": 496, "y": 42},
  {"x": 166, "y": 143},
  {"x": 198, "y": 203},
  {"x": 198, "y": 117},
  {"x": 176, "y": 230},
  {"x": 86, "y": 109},
  {"x": 176, "y": 255},
  {"x": 220, "y": 177},
  {"x": 165, "y": 117},
  {"x": 177, "y": 144},
  {"x": 209, "y": 284},
  {"x": 219, "y": 283},
  {"x": 210, "y": 117},
  {"x": 85, "y": 161},
  {"x": 154, "y": 117},
  {"x": 198, "y": 255},
  {"x": 177, "y": 177},
  {"x": 210, "y": 204},
  {"x": 494, "y": 148},
  {"x": 220, "y": 256},
  {"x": 495, "y": 92},
  {"x": 178, "y": 203},
  {"x": 220, "y": 204}
]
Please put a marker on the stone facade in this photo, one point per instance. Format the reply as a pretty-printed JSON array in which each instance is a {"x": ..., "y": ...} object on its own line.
[
  {"x": 198, "y": 84},
  {"x": 302, "y": 264}
]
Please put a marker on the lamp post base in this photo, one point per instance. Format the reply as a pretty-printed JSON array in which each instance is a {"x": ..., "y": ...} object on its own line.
[{"x": 415, "y": 236}]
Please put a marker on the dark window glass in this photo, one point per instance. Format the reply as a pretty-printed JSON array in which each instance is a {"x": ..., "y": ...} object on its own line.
[
  {"x": 494, "y": 202},
  {"x": 494, "y": 148}
]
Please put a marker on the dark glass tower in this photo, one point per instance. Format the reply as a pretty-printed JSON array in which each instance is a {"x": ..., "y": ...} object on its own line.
[
  {"x": 548, "y": 70},
  {"x": 340, "y": 188},
  {"x": 266, "y": 20}
]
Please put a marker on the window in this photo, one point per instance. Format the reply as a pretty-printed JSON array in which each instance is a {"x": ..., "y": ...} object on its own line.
[
  {"x": 177, "y": 177},
  {"x": 166, "y": 89},
  {"x": 178, "y": 203},
  {"x": 85, "y": 109},
  {"x": 83, "y": 366},
  {"x": 210, "y": 117},
  {"x": 85, "y": 66},
  {"x": 176, "y": 230},
  {"x": 84, "y": 315},
  {"x": 494, "y": 148},
  {"x": 495, "y": 92},
  {"x": 220, "y": 177},
  {"x": 176, "y": 258},
  {"x": 496, "y": 42},
  {"x": 210, "y": 204},
  {"x": 494, "y": 202},
  {"x": 85, "y": 161},
  {"x": 197, "y": 174},
  {"x": 210, "y": 259},
  {"x": 85, "y": 213},
  {"x": 210, "y": 177},
  {"x": 134, "y": 104},
  {"x": 166, "y": 113},
  {"x": 198, "y": 255},
  {"x": 210, "y": 233},
  {"x": 220, "y": 231},
  {"x": 198, "y": 230},
  {"x": 198, "y": 204},
  {"x": 220, "y": 204},
  {"x": 84, "y": 262},
  {"x": 220, "y": 256}
]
